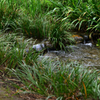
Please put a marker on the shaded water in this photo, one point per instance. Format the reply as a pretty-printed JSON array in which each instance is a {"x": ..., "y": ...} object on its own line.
[{"x": 87, "y": 54}]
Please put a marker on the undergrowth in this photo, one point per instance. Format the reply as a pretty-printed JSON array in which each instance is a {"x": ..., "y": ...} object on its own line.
[
  {"x": 54, "y": 78},
  {"x": 48, "y": 77},
  {"x": 50, "y": 19}
]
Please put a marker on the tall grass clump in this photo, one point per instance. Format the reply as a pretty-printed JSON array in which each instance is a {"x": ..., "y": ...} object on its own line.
[
  {"x": 9, "y": 13},
  {"x": 35, "y": 27},
  {"x": 59, "y": 36},
  {"x": 24, "y": 16},
  {"x": 50, "y": 18},
  {"x": 45, "y": 25},
  {"x": 84, "y": 15},
  {"x": 32, "y": 19},
  {"x": 13, "y": 51},
  {"x": 10, "y": 53},
  {"x": 58, "y": 79},
  {"x": 33, "y": 22}
]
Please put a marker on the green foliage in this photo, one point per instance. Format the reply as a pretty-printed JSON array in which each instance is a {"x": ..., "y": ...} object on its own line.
[
  {"x": 98, "y": 43},
  {"x": 62, "y": 80},
  {"x": 49, "y": 19},
  {"x": 13, "y": 52},
  {"x": 37, "y": 28},
  {"x": 59, "y": 37},
  {"x": 34, "y": 18},
  {"x": 8, "y": 14},
  {"x": 85, "y": 16}
]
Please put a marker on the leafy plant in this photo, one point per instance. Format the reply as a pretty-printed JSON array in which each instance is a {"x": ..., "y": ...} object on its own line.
[
  {"x": 59, "y": 36},
  {"x": 85, "y": 16}
]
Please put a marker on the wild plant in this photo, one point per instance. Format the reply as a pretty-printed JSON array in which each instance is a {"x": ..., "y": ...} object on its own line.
[
  {"x": 85, "y": 16},
  {"x": 35, "y": 27},
  {"x": 8, "y": 15},
  {"x": 13, "y": 51},
  {"x": 59, "y": 36},
  {"x": 61, "y": 80}
]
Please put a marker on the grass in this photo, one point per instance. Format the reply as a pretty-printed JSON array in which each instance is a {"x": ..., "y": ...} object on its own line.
[
  {"x": 54, "y": 78},
  {"x": 47, "y": 77},
  {"x": 33, "y": 21},
  {"x": 8, "y": 14},
  {"x": 59, "y": 36},
  {"x": 13, "y": 52},
  {"x": 84, "y": 15},
  {"x": 50, "y": 19},
  {"x": 39, "y": 19}
]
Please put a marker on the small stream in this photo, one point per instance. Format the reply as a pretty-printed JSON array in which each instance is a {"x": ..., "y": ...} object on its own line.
[{"x": 88, "y": 54}]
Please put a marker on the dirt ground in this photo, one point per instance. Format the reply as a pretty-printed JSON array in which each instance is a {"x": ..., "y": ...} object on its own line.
[{"x": 7, "y": 92}]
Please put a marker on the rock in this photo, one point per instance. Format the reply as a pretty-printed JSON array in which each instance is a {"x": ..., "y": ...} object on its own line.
[
  {"x": 27, "y": 50},
  {"x": 36, "y": 47},
  {"x": 86, "y": 38},
  {"x": 78, "y": 38},
  {"x": 88, "y": 44},
  {"x": 39, "y": 47},
  {"x": 48, "y": 44},
  {"x": 45, "y": 45}
]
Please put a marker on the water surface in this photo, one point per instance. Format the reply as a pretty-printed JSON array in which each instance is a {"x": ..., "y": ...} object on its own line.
[{"x": 87, "y": 54}]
